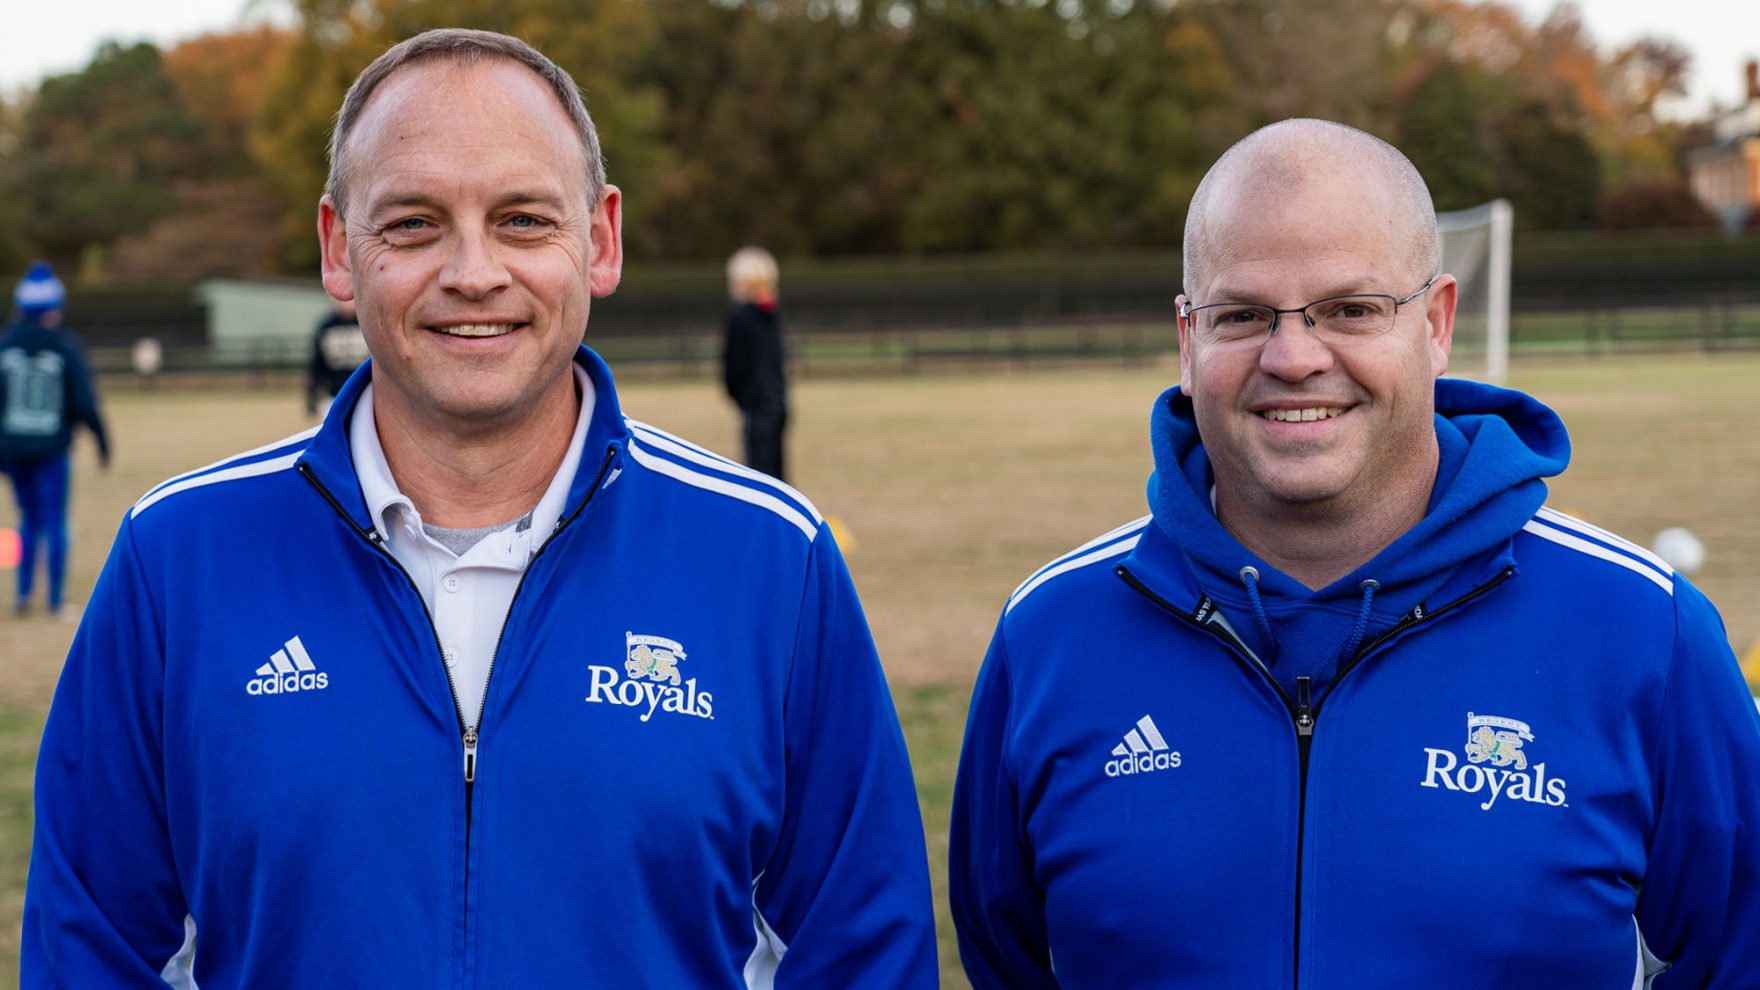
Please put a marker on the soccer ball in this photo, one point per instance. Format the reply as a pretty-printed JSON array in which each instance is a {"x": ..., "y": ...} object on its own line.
[{"x": 1680, "y": 548}]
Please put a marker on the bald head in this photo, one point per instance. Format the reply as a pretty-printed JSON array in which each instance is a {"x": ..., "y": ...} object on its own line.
[{"x": 1276, "y": 164}]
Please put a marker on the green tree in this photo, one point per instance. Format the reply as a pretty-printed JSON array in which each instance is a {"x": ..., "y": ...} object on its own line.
[
  {"x": 14, "y": 252},
  {"x": 1314, "y": 58},
  {"x": 1060, "y": 126},
  {"x": 1551, "y": 172},
  {"x": 954, "y": 126},
  {"x": 101, "y": 152},
  {"x": 1445, "y": 129},
  {"x": 1559, "y": 97}
]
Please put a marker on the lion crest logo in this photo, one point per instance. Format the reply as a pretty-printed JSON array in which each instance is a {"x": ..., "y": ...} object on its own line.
[
  {"x": 654, "y": 657},
  {"x": 1497, "y": 740}
]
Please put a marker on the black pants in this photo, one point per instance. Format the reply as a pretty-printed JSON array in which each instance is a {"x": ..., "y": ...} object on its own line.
[{"x": 763, "y": 431}]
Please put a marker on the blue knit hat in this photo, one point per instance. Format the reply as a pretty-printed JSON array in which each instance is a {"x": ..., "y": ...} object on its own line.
[{"x": 39, "y": 291}]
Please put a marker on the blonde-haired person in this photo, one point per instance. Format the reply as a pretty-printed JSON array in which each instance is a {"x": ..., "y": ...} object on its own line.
[{"x": 753, "y": 357}]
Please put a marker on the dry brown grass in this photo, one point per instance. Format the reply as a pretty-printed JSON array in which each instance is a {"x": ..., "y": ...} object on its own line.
[{"x": 954, "y": 489}]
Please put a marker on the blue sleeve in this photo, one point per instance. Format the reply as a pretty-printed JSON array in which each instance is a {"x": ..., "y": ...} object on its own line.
[
  {"x": 1699, "y": 908},
  {"x": 103, "y": 906},
  {"x": 998, "y": 909},
  {"x": 845, "y": 894}
]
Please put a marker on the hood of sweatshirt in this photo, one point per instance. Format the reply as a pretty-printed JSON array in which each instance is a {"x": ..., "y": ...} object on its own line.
[{"x": 1495, "y": 446}]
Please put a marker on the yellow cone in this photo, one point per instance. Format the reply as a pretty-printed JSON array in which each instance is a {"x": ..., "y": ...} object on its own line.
[
  {"x": 846, "y": 540},
  {"x": 1751, "y": 666}
]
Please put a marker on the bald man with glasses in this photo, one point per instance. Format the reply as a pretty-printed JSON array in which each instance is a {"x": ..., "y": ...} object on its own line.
[{"x": 1351, "y": 707}]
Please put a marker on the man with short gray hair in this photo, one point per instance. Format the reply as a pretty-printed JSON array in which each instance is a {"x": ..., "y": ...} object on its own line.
[
  {"x": 1351, "y": 707},
  {"x": 480, "y": 683}
]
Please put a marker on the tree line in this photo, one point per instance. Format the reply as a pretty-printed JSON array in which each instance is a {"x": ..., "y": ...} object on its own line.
[{"x": 842, "y": 127}]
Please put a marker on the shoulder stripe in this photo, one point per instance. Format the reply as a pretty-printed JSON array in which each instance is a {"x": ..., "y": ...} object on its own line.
[
  {"x": 250, "y": 470},
  {"x": 1133, "y": 526},
  {"x": 297, "y": 439},
  {"x": 724, "y": 487},
  {"x": 1569, "y": 522},
  {"x": 680, "y": 447},
  {"x": 1597, "y": 550},
  {"x": 1105, "y": 552}
]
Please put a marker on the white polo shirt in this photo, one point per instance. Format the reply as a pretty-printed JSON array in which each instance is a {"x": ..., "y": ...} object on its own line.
[{"x": 468, "y": 595}]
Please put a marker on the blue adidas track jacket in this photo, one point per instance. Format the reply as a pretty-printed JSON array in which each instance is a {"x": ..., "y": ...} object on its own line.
[
  {"x": 688, "y": 771},
  {"x": 1543, "y": 776}
]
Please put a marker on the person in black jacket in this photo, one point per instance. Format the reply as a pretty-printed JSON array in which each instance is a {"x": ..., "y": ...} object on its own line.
[
  {"x": 337, "y": 349},
  {"x": 753, "y": 358},
  {"x": 45, "y": 390}
]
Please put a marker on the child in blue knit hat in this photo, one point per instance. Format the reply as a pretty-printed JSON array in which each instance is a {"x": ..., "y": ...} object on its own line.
[{"x": 45, "y": 390}]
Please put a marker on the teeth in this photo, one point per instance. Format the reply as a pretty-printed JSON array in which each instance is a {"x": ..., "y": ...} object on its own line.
[
  {"x": 478, "y": 329},
  {"x": 1308, "y": 415}
]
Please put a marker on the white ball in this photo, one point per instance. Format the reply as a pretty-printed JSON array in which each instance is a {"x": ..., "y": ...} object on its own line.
[{"x": 1680, "y": 548}]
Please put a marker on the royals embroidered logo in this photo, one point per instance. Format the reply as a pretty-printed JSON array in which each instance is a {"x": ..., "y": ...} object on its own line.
[
  {"x": 1494, "y": 742},
  {"x": 653, "y": 657},
  {"x": 650, "y": 680},
  {"x": 1497, "y": 739}
]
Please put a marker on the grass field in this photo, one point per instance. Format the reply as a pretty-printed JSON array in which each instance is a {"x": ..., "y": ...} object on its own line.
[{"x": 954, "y": 488}]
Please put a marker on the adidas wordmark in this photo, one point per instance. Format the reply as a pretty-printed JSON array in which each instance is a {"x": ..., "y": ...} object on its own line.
[
  {"x": 1143, "y": 751},
  {"x": 289, "y": 670}
]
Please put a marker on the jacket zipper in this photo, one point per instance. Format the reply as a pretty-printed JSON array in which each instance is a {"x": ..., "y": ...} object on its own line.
[
  {"x": 1304, "y": 710},
  {"x": 468, "y": 732},
  {"x": 470, "y": 738}
]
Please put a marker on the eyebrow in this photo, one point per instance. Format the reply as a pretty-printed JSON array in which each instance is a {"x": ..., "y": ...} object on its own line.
[
  {"x": 1352, "y": 287},
  {"x": 423, "y": 200}
]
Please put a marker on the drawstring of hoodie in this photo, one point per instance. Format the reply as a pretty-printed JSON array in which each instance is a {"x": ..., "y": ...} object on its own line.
[
  {"x": 1250, "y": 578},
  {"x": 1350, "y": 647}
]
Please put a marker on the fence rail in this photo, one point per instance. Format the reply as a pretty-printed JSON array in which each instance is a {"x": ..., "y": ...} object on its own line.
[
  {"x": 1570, "y": 293},
  {"x": 1712, "y": 323}
]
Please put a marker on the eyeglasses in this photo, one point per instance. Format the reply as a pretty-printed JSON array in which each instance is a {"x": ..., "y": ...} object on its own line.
[{"x": 1337, "y": 320}]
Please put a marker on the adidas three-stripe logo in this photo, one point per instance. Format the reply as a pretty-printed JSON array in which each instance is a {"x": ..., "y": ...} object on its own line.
[
  {"x": 289, "y": 670},
  {"x": 1143, "y": 751}
]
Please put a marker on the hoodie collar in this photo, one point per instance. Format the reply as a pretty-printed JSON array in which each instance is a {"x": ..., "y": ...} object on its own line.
[
  {"x": 1495, "y": 446},
  {"x": 329, "y": 458}
]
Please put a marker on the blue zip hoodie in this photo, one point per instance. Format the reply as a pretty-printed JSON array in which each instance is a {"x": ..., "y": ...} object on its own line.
[
  {"x": 1536, "y": 769},
  {"x": 255, "y": 751}
]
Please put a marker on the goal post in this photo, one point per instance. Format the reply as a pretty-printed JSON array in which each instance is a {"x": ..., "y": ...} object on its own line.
[{"x": 1476, "y": 251}]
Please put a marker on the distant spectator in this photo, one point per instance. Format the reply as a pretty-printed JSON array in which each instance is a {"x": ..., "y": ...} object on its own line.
[
  {"x": 753, "y": 358},
  {"x": 45, "y": 389},
  {"x": 337, "y": 349}
]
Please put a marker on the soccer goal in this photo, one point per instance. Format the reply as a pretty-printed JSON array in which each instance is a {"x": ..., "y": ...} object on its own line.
[{"x": 1475, "y": 250}]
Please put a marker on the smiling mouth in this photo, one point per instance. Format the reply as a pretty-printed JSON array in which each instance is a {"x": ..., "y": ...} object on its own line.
[
  {"x": 1308, "y": 415},
  {"x": 478, "y": 329}
]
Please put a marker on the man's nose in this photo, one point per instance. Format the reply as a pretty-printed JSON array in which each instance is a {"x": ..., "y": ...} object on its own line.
[
  {"x": 474, "y": 268},
  {"x": 1293, "y": 352}
]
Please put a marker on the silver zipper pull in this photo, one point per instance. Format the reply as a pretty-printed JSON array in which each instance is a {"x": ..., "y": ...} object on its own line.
[
  {"x": 1304, "y": 707},
  {"x": 470, "y": 755}
]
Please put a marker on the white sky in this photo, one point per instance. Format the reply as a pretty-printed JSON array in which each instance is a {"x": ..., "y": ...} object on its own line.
[{"x": 40, "y": 37}]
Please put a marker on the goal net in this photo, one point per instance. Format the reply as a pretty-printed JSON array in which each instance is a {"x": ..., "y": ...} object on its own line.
[{"x": 1476, "y": 250}]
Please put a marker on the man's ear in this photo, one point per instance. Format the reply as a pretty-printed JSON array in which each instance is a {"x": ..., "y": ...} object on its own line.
[
  {"x": 1185, "y": 344},
  {"x": 1440, "y": 316},
  {"x": 333, "y": 252},
  {"x": 606, "y": 231}
]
